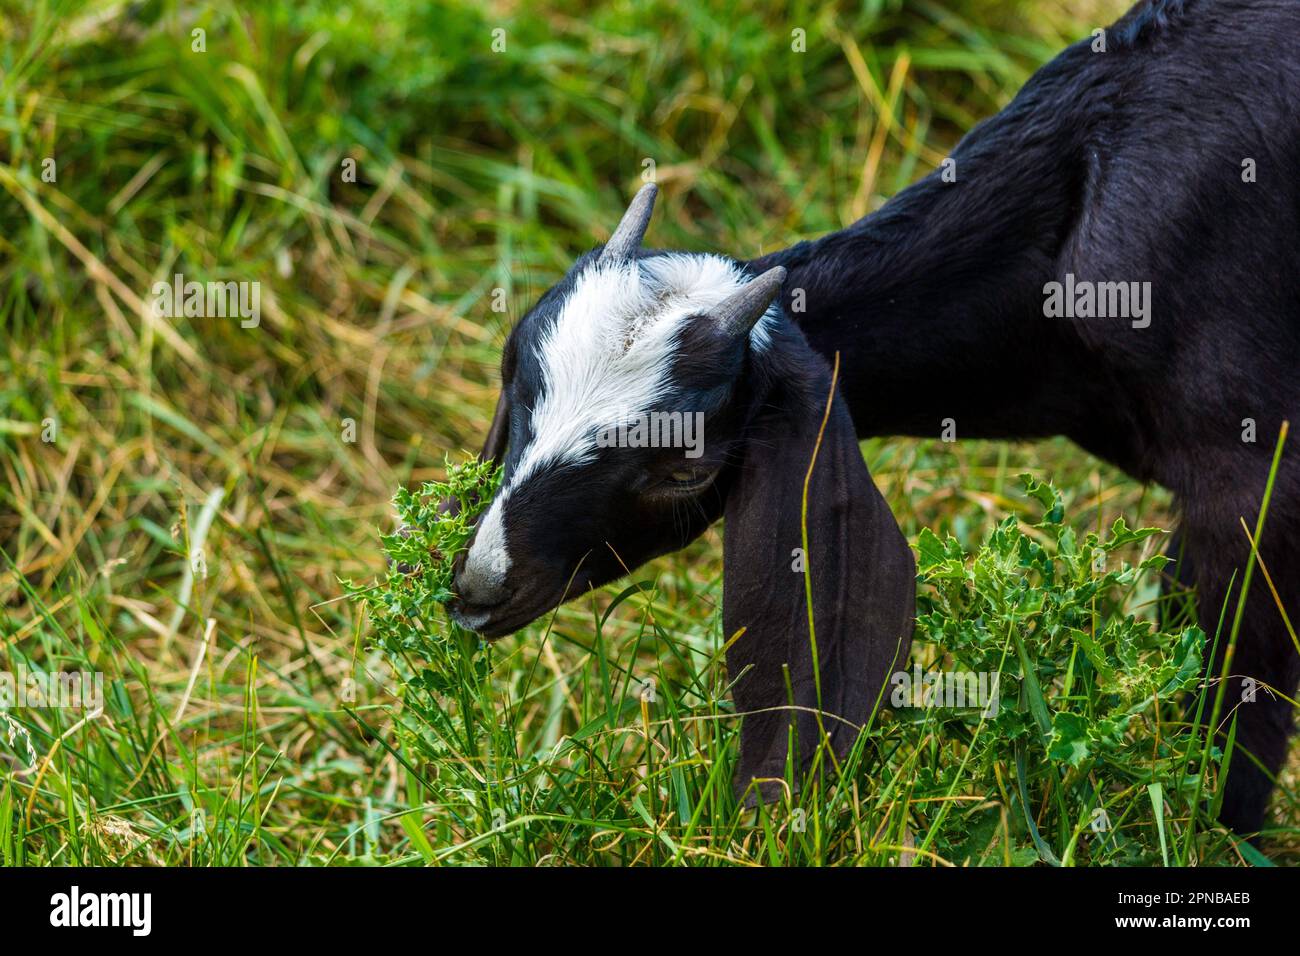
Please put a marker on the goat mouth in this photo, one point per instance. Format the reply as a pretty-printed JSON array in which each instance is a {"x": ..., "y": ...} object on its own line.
[
  {"x": 468, "y": 616},
  {"x": 493, "y": 622}
]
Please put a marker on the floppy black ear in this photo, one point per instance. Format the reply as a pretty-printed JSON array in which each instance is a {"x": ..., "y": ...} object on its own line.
[
  {"x": 494, "y": 447},
  {"x": 862, "y": 577}
]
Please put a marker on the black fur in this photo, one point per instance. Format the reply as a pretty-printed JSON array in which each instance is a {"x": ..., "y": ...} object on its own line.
[
  {"x": 862, "y": 573},
  {"x": 1116, "y": 166},
  {"x": 576, "y": 526}
]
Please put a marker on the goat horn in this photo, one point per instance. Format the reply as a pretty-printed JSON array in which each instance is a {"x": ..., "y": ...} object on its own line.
[
  {"x": 626, "y": 239},
  {"x": 736, "y": 315}
]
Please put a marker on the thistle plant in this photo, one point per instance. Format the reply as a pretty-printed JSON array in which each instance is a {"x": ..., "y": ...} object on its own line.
[
  {"x": 405, "y": 606},
  {"x": 1088, "y": 738}
]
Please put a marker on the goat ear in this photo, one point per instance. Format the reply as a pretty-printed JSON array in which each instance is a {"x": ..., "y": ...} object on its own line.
[
  {"x": 862, "y": 582},
  {"x": 494, "y": 447}
]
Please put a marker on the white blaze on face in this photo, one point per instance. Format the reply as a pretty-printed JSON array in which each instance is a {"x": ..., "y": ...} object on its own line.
[
  {"x": 488, "y": 560},
  {"x": 611, "y": 349},
  {"x": 607, "y": 356}
]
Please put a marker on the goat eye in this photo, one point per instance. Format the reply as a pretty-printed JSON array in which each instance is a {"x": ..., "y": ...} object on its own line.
[{"x": 685, "y": 481}]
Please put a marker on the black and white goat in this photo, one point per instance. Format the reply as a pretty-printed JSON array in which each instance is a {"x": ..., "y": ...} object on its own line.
[
  {"x": 630, "y": 333},
  {"x": 1169, "y": 158}
]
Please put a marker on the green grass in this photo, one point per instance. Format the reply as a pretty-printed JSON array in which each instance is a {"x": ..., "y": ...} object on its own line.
[
  {"x": 250, "y": 716},
  {"x": 1084, "y": 724}
]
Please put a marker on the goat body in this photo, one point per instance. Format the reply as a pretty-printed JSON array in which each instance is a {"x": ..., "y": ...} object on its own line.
[
  {"x": 1169, "y": 159},
  {"x": 1113, "y": 260}
]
